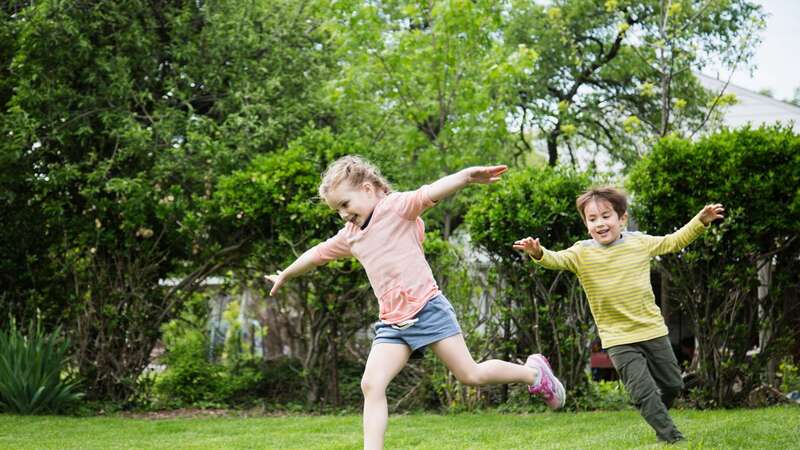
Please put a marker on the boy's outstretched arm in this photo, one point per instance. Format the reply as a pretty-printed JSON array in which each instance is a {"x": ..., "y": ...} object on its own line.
[
  {"x": 660, "y": 245},
  {"x": 448, "y": 185},
  {"x": 530, "y": 246},
  {"x": 305, "y": 263},
  {"x": 563, "y": 260}
]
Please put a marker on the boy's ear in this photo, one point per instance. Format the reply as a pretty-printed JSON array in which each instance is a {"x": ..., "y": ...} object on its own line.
[{"x": 624, "y": 218}]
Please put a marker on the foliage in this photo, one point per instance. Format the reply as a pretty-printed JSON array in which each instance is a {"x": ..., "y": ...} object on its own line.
[
  {"x": 275, "y": 200},
  {"x": 421, "y": 87},
  {"x": 611, "y": 75},
  {"x": 605, "y": 396},
  {"x": 149, "y": 141},
  {"x": 755, "y": 174},
  {"x": 31, "y": 368},
  {"x": 533, "y": 309},
  {"x": 790, "y": 376},
  {"x": 192, "y": 376},
  {"x": 120, "y": 119}
]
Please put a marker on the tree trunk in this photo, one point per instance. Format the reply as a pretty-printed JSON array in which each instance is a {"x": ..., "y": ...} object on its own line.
[
  {"x": 552, "y": 145},
  {"x": 766, "y": 323}
]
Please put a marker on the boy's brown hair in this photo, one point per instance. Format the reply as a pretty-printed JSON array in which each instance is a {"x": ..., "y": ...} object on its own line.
[{"x": 615, "y": 196}]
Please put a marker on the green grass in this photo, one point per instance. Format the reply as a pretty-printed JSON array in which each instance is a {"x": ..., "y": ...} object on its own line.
[{"x": 773, "y": 428}]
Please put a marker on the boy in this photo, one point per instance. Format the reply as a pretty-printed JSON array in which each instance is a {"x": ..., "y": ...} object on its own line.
[{"x": 614, "y": 270}]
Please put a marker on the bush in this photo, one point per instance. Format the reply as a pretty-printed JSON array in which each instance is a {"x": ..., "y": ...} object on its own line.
[
  {"x": 716, "y": 280},
  {"x": 31, "y": 370},
  {"x": 790, "y": 376},
  {"x": 605, "y": 396},
  {"x": 193, "y": 377},
  {"x": 534, "y": 310}
]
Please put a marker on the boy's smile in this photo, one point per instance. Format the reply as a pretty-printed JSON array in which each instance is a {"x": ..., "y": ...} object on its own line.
[{"x": 604, "y": 224}]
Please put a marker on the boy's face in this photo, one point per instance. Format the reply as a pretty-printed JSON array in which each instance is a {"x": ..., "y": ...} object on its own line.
[
  {"x": 603, "y": 223},
  {"x": 353, "y": 203}
]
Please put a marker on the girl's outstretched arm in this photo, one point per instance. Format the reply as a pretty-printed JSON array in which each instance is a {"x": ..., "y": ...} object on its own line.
[
  {"x": 305, "y": 263},
  {"x": 448, "y": 185}
]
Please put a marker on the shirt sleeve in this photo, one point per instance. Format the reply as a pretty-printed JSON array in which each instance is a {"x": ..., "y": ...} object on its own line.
[
  {"x": 659, "y": 245},
  {"x": 334, "y": 248},
  {"x": 412, "y": 203},
  {"x": 561, "y": 260}
]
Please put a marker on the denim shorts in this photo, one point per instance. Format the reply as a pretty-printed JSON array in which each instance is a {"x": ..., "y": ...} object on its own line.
[{"x": 436, "y": 321}]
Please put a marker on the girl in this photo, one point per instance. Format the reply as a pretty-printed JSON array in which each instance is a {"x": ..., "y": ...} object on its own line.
[{"x": 384, "y": 232}]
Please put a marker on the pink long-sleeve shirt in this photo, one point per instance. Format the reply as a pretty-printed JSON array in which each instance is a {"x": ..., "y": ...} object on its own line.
[{"x": 390, "y": 249}]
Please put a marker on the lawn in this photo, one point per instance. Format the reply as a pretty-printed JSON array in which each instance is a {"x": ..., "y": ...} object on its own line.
[{"x": 773, "y": 428}]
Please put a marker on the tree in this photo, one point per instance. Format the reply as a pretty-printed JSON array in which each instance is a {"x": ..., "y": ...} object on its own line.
[
  {"x": 613, "y": 75},
  {"x": 121, "y": 117},
  {"x": 422, "y": 83}
]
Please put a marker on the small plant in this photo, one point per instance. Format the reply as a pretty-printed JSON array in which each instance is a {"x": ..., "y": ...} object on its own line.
[
  {"x": 31, "y": 369},
  {"x": 790, "y": 376}
]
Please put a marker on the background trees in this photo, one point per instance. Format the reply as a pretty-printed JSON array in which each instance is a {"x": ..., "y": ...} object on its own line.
[
  {"x": 120, "y": 120},
  {"x": 613, "y": 75},
  {"x": 157, "y": 140}
]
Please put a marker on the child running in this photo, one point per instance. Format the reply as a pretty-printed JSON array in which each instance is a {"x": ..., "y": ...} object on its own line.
[
  {"x": 614, "y": 270},
  {"x": 384, "y": 232}
]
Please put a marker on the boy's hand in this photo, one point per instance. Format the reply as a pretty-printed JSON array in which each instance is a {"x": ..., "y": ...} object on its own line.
[
  {"x": 277, "y": 280},
  {"x": 485, "y": 174},
  {"x": 530, "y": 246},
  {"x": 710, "y": 213}
]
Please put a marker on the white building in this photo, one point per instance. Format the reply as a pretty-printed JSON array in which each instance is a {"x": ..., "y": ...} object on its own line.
[{"x": 751, "y": 107}]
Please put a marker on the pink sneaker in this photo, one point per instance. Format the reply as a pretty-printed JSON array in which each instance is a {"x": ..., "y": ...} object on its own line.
[{"x": 551, "y": 390}]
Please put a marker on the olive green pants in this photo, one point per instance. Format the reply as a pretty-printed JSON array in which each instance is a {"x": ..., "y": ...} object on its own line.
[{"x": 651, "y": 375}]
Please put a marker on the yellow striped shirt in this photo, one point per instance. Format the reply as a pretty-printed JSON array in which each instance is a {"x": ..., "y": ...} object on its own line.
[{"x": 616, "y": 279}]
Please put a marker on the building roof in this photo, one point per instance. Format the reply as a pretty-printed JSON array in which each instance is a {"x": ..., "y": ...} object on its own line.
[{"x": 751, "y": 107}]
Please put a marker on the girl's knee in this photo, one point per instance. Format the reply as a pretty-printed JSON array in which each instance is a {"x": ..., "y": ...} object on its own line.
[
  {"x": 372, "y": 386},
  {"x": 471, "y": 377}
]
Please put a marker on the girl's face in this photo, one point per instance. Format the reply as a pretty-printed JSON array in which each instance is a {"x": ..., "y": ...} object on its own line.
[
  {"x": 354, "y": 203},
  {"x": 604, "y": 224}
]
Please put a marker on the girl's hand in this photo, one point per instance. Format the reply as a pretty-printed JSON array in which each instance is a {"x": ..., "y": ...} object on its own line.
[
  {"x": 530, "y": 246},
  {"x": 276, "y": 279},
  {"x": 485, "y": 174},
  {"x": 711, "y": 213}
]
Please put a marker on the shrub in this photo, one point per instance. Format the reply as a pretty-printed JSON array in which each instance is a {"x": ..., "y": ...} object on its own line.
[
  {"x": 31, "y": 370},
  {"x": 534, "y": 310},
  {"x": 790, "y": 376},
  {"x": 720, "y": 280}
]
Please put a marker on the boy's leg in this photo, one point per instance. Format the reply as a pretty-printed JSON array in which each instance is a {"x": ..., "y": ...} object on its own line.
[
  {"x": 664, "y": 368},
  {"x": 455, "y": 355},
  {"x": 385, "y": 361},
  {"x": 631, "y": 363}
]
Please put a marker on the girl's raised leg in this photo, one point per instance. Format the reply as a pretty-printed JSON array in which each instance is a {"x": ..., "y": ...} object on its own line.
[
  {"x": 455, "y": 355},
  {"x": 536, "y": 372}
]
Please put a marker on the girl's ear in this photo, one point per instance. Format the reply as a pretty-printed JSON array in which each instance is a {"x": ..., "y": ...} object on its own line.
[{"x": 367, "y": 187}]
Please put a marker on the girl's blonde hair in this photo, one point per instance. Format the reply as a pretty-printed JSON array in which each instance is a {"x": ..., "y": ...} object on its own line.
[{"x": 355, "y": 170}]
